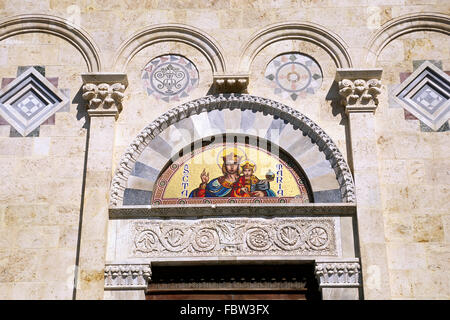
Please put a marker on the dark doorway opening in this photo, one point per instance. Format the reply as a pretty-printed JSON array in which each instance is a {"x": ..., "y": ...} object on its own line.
[{"x": 234, "y": 282}]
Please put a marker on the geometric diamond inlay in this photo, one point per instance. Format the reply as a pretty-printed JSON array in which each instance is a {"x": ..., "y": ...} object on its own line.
[
  {"x": 429, "y": 98},
  {"x": 29, "y": 100},
  {"x": 426, "y": 94},
  {"x": 29, "y": 104}
]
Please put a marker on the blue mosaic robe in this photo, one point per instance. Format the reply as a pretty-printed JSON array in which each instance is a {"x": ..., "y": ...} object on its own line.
[{"x": 213, "y": 189}]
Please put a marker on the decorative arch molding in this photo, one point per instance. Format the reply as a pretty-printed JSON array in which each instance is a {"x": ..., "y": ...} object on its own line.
[
  {"x": 75, "y": 35},
  {"x": 334, "y": 45},
  {"x": 194, "y": 37},
  {"x": 204, "y": 106},
  {"x": 391, "y": 30}
]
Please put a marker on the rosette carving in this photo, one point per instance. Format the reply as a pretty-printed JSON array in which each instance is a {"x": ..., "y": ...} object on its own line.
[
  {"x": 258, "y": 239},
  {"x": 175, "y": 238},
  {"x": 205, "y": 239},
  {"x": 317, "y": 237}
]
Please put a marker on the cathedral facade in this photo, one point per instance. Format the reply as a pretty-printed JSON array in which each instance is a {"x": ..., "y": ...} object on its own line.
[{"x": 288, "y": 149}]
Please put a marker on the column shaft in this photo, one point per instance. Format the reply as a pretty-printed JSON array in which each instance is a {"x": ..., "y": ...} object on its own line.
[
  {"x": 369, "y": 211},
  {"x": 104, "y": 93},
  {"x": 95, "y": 209},
  {"x": 359, "y": 89}
]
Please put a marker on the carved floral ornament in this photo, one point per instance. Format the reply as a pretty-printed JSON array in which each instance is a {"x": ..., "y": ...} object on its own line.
[
  {"x": 103, "y": 96},
  {"x": 359, "y": 90},
  {"x": 104, "y": 93},
  {"x": 239, "y": 236}
]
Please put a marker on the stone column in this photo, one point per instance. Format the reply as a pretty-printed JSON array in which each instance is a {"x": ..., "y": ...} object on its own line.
[
  {"x": 359, "y": 90},
  {"x": 104, "y": 93}
]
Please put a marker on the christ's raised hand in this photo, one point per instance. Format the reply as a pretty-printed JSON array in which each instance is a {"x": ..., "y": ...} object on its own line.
[{"x": 204, "y": 176}]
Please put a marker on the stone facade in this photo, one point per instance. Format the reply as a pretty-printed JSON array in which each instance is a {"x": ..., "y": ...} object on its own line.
[{"x": 363, "y": 85}]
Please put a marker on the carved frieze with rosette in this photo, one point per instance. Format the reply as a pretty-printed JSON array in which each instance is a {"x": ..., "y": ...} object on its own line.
[
  {"x": 104, "y": 93},
  {"x": 234, "y": 237}
]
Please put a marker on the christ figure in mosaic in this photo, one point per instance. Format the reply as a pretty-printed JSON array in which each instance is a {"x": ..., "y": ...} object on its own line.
[{"x": 249, "y": 185}]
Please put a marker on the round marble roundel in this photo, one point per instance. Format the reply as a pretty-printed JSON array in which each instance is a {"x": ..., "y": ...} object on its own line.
[
  {"x": 170, "y": 77},
  {"x": 294, "y": 75}
]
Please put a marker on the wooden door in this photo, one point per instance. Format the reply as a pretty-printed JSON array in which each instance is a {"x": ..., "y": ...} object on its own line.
[{"x": 233, "y": 282}]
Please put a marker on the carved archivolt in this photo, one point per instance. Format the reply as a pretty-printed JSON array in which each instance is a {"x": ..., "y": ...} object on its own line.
[
  {"x": 62, "y": 28},
  {"x": 326, "y": 39},
  {"x": 425, "y": 21},
  {"x": 209, "y": 47},
  {"x": 243, "y": 102},
  {"x": 238, "y": 236}
]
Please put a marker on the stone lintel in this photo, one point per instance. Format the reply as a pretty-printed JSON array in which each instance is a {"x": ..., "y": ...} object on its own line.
[
  {"x": 104, "y": 93},
  {"x": 231, "y": 83},
  {"x": 359, "y": 89},
  {"x": 267, "y": 210}
]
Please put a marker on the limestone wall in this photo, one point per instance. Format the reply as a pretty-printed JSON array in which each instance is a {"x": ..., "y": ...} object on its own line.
[
  {"x": 42, "y": 174},
  {"x": 41, "y": 178},
  {"x": 414, "y": 176}
]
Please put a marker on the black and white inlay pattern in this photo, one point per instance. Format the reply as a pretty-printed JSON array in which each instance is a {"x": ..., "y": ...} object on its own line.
[
  {"x": 29, "y": 100},
  {"x": 426, "y": 94}
]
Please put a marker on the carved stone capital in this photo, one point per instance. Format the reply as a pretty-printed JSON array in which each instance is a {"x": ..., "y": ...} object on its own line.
[
  {"x": 338, "y": 273},
  {"x": 104, "y": 93},
  {"x": 359, "y": 89},
  {"x": 230, "y": 83},
  {"x": 127, "y": 276}
]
